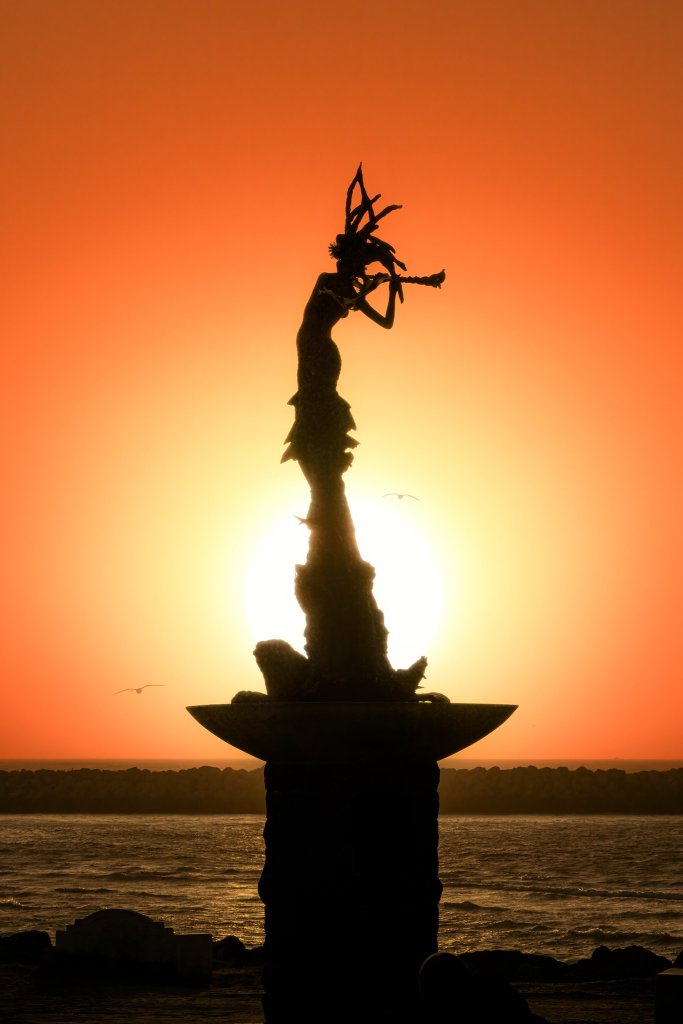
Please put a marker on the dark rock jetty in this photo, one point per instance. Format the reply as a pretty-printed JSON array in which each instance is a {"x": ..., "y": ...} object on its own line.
[{"x": 210, "y": 790}]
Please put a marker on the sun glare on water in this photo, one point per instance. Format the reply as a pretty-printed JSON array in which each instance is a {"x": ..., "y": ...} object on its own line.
[{"x": 408, "y": 584}]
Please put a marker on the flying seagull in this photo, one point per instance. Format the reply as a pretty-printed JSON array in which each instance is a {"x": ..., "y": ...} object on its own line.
[
  {"x": 137, "y": 689},
  {"x": 393, "y": 494}
]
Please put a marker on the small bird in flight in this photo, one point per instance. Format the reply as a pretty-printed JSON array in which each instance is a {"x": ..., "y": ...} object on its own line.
[
  {"x": 137, "y": 689},
  {"x": 393, "y": 494}
]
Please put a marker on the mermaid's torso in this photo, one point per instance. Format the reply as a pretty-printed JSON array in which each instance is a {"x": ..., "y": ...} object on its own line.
[
  {"x": 319, "y": 359},
  {"x": 319, "y": 435}
]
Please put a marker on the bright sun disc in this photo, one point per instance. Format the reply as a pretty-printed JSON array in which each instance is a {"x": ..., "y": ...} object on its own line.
[{"x": 408, "y": 586}]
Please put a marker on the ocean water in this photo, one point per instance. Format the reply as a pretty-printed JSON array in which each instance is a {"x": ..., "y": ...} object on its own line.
[{"x": 559, "y": 885}]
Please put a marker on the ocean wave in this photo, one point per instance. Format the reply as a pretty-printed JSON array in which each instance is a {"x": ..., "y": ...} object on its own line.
[
  {"x": 79, "y": 890},
  {"x": 11, "y": 904},
  {"x": 563, "y": 891},
  {"x": 509, "y": 923},
  {"x": 612, "y": 935},
  {"x": 469, "y": 906},
  {"x": 630, "y": 894},
  {"x": 189, "y": 877},
  {"x": 131, "y": 874},
  {"x": 649, "y": 915},
  {"x": 515, "y": 928},
  {"x": 177, "y": 897}
]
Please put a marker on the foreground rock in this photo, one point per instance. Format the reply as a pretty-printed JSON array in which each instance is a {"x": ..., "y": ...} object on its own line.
[
  {"x": 31, "y": 947},
  {"x": 34, "y": 987},
  {"x": 604, "y": 964},
  {"x": 513, "y": 965},
  {"x": 451, "y": 991}
]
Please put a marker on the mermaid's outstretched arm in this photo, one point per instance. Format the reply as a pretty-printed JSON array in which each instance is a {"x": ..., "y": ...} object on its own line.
[{"x": 386, "y": 319}]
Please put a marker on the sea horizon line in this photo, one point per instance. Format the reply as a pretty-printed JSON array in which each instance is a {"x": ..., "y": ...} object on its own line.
[{"x": 249, "y": 763}]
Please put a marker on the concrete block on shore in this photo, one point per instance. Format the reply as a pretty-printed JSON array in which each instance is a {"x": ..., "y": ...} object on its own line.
[{"x": 126, "y": 937}]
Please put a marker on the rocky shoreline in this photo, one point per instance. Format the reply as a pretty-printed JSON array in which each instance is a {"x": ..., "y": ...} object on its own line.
[
  {"x": 209, "y": 790},
  {"x": 39, "y": 982}
]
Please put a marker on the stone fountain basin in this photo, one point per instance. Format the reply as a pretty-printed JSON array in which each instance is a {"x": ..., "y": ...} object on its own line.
[{"x": 350, "y": 731}]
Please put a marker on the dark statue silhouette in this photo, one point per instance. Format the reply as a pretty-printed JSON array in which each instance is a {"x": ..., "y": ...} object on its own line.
[
  {"x": 350, "y": 881},
  {"x": 346, "y": 639}
]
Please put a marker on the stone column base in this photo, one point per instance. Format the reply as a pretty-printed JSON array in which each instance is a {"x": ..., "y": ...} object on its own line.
[{"x": 351, "y": 890}]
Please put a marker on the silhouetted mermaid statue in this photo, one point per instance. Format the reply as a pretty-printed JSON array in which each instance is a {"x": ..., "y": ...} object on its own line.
[{"x": 346, "y": 639}]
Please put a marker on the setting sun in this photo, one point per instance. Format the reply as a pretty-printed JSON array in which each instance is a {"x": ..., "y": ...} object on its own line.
[{"x": 408, "y": 586}]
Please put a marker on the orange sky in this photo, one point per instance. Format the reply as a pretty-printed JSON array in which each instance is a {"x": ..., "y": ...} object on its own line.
[{"x": 172, "y": 175}]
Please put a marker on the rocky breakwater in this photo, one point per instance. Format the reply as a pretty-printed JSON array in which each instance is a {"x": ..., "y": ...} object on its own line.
[
  {"x": 209, "y": 790},
  {"x": 205, "y": 790},
  {"x": 532, "y": 790}
]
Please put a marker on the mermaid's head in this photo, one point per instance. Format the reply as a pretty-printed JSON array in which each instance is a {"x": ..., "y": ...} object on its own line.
[{"x": 358, "y": 246}]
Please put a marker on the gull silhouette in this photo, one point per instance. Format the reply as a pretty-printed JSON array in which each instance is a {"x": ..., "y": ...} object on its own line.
[
  {"x": 393, "y": 494},
  {"x": 137, "y": 689}
]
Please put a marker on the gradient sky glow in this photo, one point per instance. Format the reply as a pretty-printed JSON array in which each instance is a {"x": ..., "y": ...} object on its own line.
[{"x": 172, "y": 175}]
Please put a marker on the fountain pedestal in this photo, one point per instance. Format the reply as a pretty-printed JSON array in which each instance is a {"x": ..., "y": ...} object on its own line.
[
  {"x": 351, "y": 890},
  {"x": 350, "y": 882}
]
